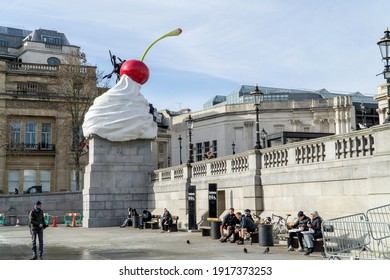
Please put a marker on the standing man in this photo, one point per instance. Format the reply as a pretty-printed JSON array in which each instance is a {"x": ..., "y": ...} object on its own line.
[{"x": 36, "y": 222}]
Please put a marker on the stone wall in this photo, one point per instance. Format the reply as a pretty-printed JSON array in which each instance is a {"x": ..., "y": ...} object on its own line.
[
  {"x": 55, "y": 204},
  {"x": 336, "y": 175},
  {"x": 117, "y": 177}
]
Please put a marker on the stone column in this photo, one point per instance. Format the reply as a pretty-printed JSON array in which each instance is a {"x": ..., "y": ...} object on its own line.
[{"x": 117, "y": 177}]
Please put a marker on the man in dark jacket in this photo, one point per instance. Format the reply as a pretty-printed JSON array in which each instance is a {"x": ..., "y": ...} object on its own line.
[
  {"x": 36, "y": 222},
  {"x": 229, "y": 223},
  {"x": 246, "y": 225},
  {"x": 146, "y": 217},
  {"x": 299, "y": 226}
]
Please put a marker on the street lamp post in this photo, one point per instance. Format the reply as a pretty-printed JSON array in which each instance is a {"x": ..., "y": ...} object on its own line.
[
  {"x": 363, "y": 109},
  {"x": 257, "y": 96},
  {"x": 190, "y": 126},
  {"x": 233, "y": 148},
  {"x": 180, "y": 148},
  {"x": 263, "y": 136},
  {"x": 384, "y": 47}
]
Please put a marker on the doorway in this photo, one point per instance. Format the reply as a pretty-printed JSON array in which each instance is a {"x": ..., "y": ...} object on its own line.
[{"x": 221, "y": 203}]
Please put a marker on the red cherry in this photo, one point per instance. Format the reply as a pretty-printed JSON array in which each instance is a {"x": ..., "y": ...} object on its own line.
[{"x": 136, "y": 70}]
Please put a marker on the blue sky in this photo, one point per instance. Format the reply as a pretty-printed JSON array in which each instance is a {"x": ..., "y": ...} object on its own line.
[{"x": 301, "y": 44}]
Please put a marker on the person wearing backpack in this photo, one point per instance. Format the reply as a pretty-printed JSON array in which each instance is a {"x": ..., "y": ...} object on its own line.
[{"x": 36, "y": 222}]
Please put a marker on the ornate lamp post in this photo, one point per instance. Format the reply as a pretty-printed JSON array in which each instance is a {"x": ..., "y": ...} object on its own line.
[
  {"x": 384, "y": 47},
  {"x": 363, "y": 108},
  {"x": 180, "y": 148},
  {"x": 233, "y": 147},
  {"x": 257, "y": 97},
  {"x": 263, "y": 135},
  {"x": 190, "y": 126}
]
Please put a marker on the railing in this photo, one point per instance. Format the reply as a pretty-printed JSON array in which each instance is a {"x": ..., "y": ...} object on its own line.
[
  {"x": 178, "y": 173},
  {"x": 22, "y": 147},
  {"x": 213, "y": 167},
  {"x": 310, "y": 153},
  {"x": 276, "y": 158},
  {"x": 31, "y": 67},
  {"x": 218, "y": 167},
  {"x": 240, "y": 164},
  {"x": 199, "y": 170},
  {"x": 354, "y": 145}
]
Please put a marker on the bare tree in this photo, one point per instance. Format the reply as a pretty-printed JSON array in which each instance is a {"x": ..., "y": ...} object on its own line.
[{"x": 76, "y": 84}]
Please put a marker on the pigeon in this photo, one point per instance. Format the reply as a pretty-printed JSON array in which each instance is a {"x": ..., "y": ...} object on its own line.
[
  {"x": 266, "y": 251},
  {"x": 245, "y": 250},
  {"x": 188, "y": 242}
]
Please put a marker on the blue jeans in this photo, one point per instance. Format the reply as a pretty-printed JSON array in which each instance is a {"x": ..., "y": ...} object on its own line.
[{"x": 34, "y": 233}]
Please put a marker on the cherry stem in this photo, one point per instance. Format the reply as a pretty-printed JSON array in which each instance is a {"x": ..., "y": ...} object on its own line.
[{"x": 175, "y": 32}]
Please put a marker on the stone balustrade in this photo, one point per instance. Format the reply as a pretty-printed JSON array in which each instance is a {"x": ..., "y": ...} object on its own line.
[{"x": 337, "y": 175}]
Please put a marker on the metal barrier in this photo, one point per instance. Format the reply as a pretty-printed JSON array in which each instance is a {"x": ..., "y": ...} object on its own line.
[
  {"x": 46, "y": 217},
  {"x": 356, "y": 239},
  {"x": 379, "y": 214},
  {"x": 68, "y": 218}
]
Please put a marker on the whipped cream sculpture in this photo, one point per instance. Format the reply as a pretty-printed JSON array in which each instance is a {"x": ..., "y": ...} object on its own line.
[{"x": 122, "y": 113}]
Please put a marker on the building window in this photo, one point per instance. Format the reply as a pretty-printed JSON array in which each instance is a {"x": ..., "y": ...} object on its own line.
[
  {"x": 45, "y": 180},
  {"x": 46, "y": 136},
  {"x": 73, "y": 180},
  {"x": 29, "y": 179},
  {"x": 51, "y": 40},
  {"x": 214, "y": 148},
  {"x": 13, "y": 180},
  {"x": 199, "y": 152},
  {"x": 30, "y": 136},
  {"x": 206, "y": 146},
  {"x": 15, "y": 133},
  {"x": 53, "y": 61}
]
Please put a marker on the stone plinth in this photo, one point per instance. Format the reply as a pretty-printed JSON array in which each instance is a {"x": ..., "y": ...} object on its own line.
[{"x": 117, "y": 177}]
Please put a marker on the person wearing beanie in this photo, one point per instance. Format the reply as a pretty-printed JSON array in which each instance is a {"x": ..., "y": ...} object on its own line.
[
  {"x": 299, "y": 226},
  {"x": 314, "y": 231},
  {"x": 36, "y": 222}
]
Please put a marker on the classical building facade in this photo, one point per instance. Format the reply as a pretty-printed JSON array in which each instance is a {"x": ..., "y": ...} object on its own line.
[
  {"x": 227, "y": 125},
  {"x": 36, "y": 142}
]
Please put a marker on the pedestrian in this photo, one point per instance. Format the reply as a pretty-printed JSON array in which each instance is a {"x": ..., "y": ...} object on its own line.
[
  {"x": 36, "y": 222},
  {"x": 16, "y": 191}
]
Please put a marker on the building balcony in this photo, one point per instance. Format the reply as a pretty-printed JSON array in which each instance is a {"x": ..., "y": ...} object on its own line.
[
  {"x": 22, "y": 148},
  {"x": 31, "y": 67}
]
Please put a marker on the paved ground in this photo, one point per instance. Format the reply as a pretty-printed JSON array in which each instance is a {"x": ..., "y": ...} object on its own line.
[{"x": 114, "y": 243}]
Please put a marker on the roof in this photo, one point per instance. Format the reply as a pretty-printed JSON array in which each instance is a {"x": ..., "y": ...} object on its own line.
[
  {"x": 13, "y": 36},
  {"x": 242, "y": 95},
  {"x": 39, "y": 35}
]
